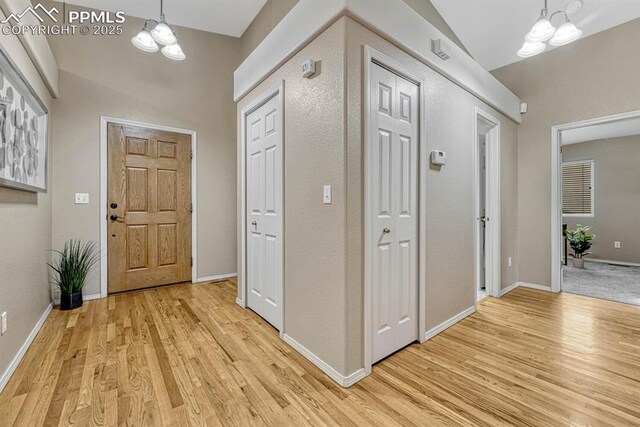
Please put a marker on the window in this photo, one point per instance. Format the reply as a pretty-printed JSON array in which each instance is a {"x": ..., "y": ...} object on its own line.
[{"x": 577, "y": 188}]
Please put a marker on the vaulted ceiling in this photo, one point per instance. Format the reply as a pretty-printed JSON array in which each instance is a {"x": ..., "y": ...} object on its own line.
[
  {"x": 493, "y": 30},
  {"x": 228, "y": 17}
]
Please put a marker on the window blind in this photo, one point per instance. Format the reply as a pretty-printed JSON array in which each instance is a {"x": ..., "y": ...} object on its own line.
[{"x": 577, "y": 189}]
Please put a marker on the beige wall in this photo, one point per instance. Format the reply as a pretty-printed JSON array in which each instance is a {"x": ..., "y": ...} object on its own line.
[
  {"x": 106, "y": 75},
  {"x": 450, "y": 210},
  {"x": 274, "y": 10},
  {"x": 314, "y": 155},
  {"x": 590, "y": 78},
  {"x": 323, "y": 145},
  {"x": 616, "y": 196},
  {"x": 25, "y": 237}
]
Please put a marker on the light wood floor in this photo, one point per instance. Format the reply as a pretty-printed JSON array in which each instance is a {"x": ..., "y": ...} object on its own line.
[{"x": 188, "y": 355}]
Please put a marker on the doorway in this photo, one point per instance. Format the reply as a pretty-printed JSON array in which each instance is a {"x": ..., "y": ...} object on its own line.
[
  {"x": 487, "y": 206},
  {"x": 262, "y": 127},
  {"x": 148, "y": 207},
  {"x": 595, "y": 207},
  {"x": 394, "y": 309}
]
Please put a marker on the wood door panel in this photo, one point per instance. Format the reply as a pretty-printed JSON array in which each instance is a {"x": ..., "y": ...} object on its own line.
[{"x": 149, "y": 178}]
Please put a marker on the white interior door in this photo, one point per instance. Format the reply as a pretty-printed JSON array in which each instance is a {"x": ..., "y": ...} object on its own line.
[
  {"x": 264, "y": 211},
  {"x": 394, "y": 195}
]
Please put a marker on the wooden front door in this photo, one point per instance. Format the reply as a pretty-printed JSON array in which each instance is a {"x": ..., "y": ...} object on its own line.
[{"x": 148, "y": 207}]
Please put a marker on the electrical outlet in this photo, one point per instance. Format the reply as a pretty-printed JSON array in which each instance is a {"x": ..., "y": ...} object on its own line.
[
  {"x": 510, "y": 262},
  {"x": 617, "y": 245},
  {"x": 3, "y": 329}
]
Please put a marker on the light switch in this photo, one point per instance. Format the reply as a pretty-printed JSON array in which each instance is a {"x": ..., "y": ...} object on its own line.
[
  {"x": 327, "y": 195},
  {"x": 510, "y": 262},
  {"x": 617, "y": 245},
  {"x": 82, "y": 198}
]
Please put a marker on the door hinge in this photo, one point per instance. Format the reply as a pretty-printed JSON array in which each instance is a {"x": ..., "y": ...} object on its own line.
[
  {"x": 191, "y": 154},
  {"x": 191, "y": 261},
  {"x": 191, "y": 208}
]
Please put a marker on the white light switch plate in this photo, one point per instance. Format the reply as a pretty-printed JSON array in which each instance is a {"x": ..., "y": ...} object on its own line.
[
  {"x": 82, "y": 198},
  {"x": 617, "y": 245},
  {"x": 326, "y": 197},
  {"x": 3, "y": 329}
]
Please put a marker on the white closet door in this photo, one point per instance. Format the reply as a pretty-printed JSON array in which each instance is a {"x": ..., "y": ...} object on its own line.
[
  {"x": 394, "y": 187},
  {"x": 264, "y": 211}
]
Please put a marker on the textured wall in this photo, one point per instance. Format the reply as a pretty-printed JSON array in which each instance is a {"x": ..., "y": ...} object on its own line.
[
  {"x": 25, "y": 236},
  {"x": 274, "y": 10},
  {"x": 314, "y": 247},
  {"x": 450, "y": 218},
  {"x": 106, "y": 75},
  {"x": 616, "y": 196},
  {"x": 590, "y": 78}
]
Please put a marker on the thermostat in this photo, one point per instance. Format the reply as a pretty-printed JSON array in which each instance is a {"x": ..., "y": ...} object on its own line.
[
  {"x": 438, "y": 158},
  {"x": 308, "y": 68}
]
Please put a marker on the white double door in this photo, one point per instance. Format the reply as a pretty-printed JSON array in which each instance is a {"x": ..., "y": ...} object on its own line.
[
  {"x": 264, "y": 214},
  {"x": 393, "y": 165}
]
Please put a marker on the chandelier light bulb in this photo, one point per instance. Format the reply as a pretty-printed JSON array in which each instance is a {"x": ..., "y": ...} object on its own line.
[
  {"x": 531, "y": 49},
  {"x": 566, "y": 34},
  {"x": 541, "y": 31},
  {"x": 173, "y": 52},
  {"x": 145, "y": 42},
  {"x": 163, "y": 34}
]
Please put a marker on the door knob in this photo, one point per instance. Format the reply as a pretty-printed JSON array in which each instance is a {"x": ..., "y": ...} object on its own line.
[
  {"x": 113, "y": 205},
  {"x": 254, "y": 223},
  {"x": 114, "y": 217},
  {"x": 386, "y": 230}
]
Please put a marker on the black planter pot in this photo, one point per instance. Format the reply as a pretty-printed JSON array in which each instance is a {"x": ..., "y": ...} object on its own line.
[{"x": 70, "y": 301}]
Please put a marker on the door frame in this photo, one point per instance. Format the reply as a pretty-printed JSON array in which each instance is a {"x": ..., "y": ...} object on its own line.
[
  {"x": 276, "y": 90},
  {"x": 492, "y": 201},
  {"x": 104, "y": 262},
  {"x": 373, "y": 56},
  {"x": 556, "y": 186}
]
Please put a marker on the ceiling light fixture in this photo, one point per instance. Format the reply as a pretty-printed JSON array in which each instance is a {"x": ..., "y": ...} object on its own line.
[
  {"x": 543, "y": 30},
  {"x": 154, "y": 33}
]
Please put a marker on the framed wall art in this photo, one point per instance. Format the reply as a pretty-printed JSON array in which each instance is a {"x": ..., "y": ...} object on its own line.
[{"x": 23, "y": 131}]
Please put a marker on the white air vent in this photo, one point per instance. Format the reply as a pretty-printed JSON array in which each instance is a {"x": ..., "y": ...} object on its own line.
[{"x": 442, "y": 49}]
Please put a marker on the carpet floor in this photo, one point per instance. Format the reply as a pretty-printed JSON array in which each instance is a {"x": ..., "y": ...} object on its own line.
[{"x": 605, "y": 281}]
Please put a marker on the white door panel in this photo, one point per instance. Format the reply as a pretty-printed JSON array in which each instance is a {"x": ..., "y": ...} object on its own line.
[
  {"x": 394, "y": 189},
  {"x": 264, "y": 211}
]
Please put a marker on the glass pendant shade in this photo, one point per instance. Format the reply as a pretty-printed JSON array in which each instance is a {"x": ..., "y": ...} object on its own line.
[
  {"x": 566, "y": 34},
  {"x": 163, "y": 34},
  {"x": 174, "y": 52},
  {"x": 541, "y": 31},
  {"x": 145, "y": 42},
  {"x": 531, "y": 49}
]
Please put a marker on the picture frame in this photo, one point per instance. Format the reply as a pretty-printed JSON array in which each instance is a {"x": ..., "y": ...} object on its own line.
[{"x": 24, "y": 136}]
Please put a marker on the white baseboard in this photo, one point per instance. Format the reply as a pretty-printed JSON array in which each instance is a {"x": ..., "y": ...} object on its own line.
[
  {"x": 16, "y": 360},
  {"x": 91, "y": 297},
  {"x": 214, "y": 278},
  {"x": 606, "y": 261},
  {"x": 344, "y": 381},
  {"x": 509, "y": 288},
  {"x": 535, "y": 286},
  {"x": 448, "y": 323}
]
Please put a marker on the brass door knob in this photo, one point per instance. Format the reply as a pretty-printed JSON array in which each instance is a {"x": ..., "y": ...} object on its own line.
[{"x": 386, "y": 230}]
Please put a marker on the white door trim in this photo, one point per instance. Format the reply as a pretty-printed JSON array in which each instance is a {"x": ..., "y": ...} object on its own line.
[
  {"x": 104, "y": 265},
  {"x": 275, "y": 90},
  {"x": 492, "y": 197},
  {"x": 556, "y": 187},
  {"x": 372, "y": 56}
]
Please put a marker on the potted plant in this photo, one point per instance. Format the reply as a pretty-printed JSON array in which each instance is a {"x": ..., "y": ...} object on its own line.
[
  {"x": 580, "y": 241},
  {"x": 70, "y": 269}
]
